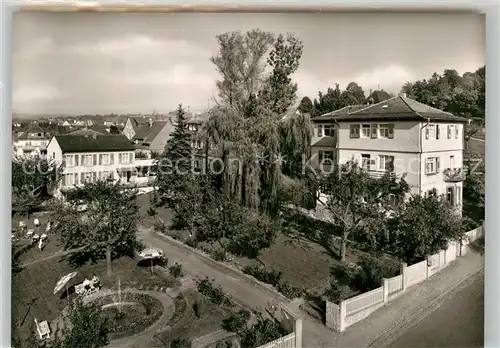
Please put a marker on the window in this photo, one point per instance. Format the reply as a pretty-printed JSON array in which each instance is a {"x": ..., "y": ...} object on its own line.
[
  {"x": 458, "y": 197},
  {"x": 366, "y": 130},
  {"x": 386, "y": 163},
  {"x": 430, "y": 132},
  {"x": 452, "y": 162},
  {"x": 320, "y": 130},
  {"x": 125, "y": 158},
  {"x": 69, "y": 179},
  {"x": 69, "y": 160},
  {"x": 86, "y": 177},
  {"x": 450, "y": 131},
  {"x": 354, "y": 131},
  {"x": 432, "y": 193},
  {"x": 87, "y": 160},
  {"x": 386, "y": 131},
  {"x": 53, "y": 155},
  {"x": 449, "y": 195},
  {"x": 456, "y": 132},
  {"x": 328, "y": 156},
  {"x": 432, "y": 165},
  {"x": 328, "y": 130},
  {"x": 77, "y": 179},
  {"x": 321, "y": 155},
  {"x": 365, "y": 161},
  {"x": 437, "y": 131},
  {"x": 104, "y": 159}
]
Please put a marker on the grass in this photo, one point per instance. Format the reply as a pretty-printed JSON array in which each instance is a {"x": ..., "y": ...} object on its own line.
[
  {"x": 32, "y": 288},
  {"x": 476, "y": 146},
  {"x": 186, "y": 324}
]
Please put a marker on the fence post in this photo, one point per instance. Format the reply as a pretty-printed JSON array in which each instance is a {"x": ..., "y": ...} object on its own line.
[
  {"x": 442, "y": 258},
  {"x": 429, "y": 264},
  {"x": 343, "y": 315},
  {"x": 403, "y": 275},
  {"x": 385, "y": 287},
  {"x": 298, "y": 333}
]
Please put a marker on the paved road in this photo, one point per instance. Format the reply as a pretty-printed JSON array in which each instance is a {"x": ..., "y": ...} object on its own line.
[{"x": 457, "y": 322}]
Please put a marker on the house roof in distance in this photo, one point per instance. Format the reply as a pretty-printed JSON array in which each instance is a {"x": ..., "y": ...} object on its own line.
[
  {"x": 93, "y": 143},
  {"x": 399, "y": 108}
]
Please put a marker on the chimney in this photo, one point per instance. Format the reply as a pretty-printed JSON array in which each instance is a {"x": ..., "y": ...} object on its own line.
[{"x": 150, "y": 122}]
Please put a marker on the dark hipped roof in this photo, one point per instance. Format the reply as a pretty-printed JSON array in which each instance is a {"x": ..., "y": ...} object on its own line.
[
  {"x": 398, "y": 108},
  {"x": 325, "y": 142},
  {"x": 340, "y": 112},
  {"x": 99, "y": 128},
  {"x": 93, "y": 143},
  {"x": 379, "y": 96}
]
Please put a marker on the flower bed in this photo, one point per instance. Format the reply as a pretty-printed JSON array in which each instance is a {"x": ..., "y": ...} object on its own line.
[{"x": 133, "y": 318}]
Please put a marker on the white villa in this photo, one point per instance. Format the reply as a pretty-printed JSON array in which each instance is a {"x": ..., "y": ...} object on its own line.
[
  {"x": 399, "y": 135},
  {"x": 92, "y": 157}
]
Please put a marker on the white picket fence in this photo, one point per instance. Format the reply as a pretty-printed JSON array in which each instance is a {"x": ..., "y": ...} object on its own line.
[{"x": 350, "y": 311}]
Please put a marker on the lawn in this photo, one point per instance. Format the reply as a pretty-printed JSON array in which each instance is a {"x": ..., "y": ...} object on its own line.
[
  {"x": 186, "y": 324},
  {"x": 476, "y": 146},
  {"x": 32, "y": 288}
]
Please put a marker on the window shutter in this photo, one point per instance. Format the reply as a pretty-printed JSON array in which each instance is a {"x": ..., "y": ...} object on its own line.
[
  {"x": 320, "y": 155},
  {"x": 82, "y": 160},
  {"x": 76, "y": 160},
  {"x": 427, "y": 132},
  {"x": 437, "y": 164},
  {"x": 112, "y": 158},
  {"x": 77, "y": 179},
  {"x": 456, "y": 132},
  {"x": 373, "y": 130},
  {"x": 94, "y": 176},
  {"x": 320, "y": 130},
  {"x": 391, "y": 131},
  {"x": 357, "y": 131},
  {"x": 82, "y": 177},
  {"x": 449, "y": 132},
  {"x": 437, "y": 131},
  {"x": 94, "y": 160},
  {"x": 100, "y": 159}
]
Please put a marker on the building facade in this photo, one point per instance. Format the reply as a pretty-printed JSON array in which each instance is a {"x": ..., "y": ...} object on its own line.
[
  {"x": 400, "y": 136},
  {"x": 33, "y": 141},
  {"x": 92, "y": 157}
]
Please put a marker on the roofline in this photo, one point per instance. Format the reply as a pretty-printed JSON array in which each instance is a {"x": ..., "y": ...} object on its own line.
[
  {"x": 399, "y": 119},
  {"x": 95, "y": 151}
]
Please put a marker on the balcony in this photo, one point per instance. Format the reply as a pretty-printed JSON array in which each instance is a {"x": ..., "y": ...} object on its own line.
[
  {"x": 453, "y": 175},
  {"x": 378, "y": 174}
]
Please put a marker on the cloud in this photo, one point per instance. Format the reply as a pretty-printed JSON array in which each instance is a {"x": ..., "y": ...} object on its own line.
[{"x": 35, "y": 93}]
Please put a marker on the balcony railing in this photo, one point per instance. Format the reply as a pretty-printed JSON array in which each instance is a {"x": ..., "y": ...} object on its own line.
[
  {"x": 453, "y": 175},
  {"x": 377, "y": 174}
]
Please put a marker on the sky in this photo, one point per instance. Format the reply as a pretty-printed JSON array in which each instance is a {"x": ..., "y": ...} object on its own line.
[{"x": 96, "y": 63}]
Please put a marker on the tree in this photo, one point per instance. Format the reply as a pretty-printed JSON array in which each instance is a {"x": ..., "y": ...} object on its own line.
[
  {"x": 306, "y": 106},
  {"x": 107, "y": 227},
  {"x": 461, "y": 95},
  {"x": 353, "y": 95},
  {"x": 174, "y": 166},
  {"x": 424, "y": 227},
  {"x": 33, "y": 178},
  {"x": 114, "y": 130},
  {"x": 262, "y": 332},
  {"x": 246, "y": 122},
  {"x": 88, "y": 328},
  {"x": 357, "y": 201}
]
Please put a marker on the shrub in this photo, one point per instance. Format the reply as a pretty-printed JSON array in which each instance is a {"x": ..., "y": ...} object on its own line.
[
  {"x": 176, "y": 270},
  {"x": 371, "y": 272},
  {"x": 336, "y": 292},
  {"x": 226, "y": 344},
  {"x": 291, "y": 292},
  {"x": 159, "y": 226},
  {"x": 260, "y": 273},
  {"x": 151, "y": 211},
  {"x": 214, "y": 293},
  {"x": 219, "y": 255},
  {"x": 180, "y": 343},
  {"x": 198, "y": 307},
  {"x": 236, "y": 322},
  {"x": 262, "y": 332},
  {"x": 190, "y": 241}
]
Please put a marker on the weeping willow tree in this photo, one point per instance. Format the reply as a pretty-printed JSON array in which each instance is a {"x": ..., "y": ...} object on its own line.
[{"x": 247, "y": 129}]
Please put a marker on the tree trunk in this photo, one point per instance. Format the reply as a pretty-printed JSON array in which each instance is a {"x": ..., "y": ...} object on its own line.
[
  {"x": 109, "y": 270},
  {"x": 343, "y": 248}
]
